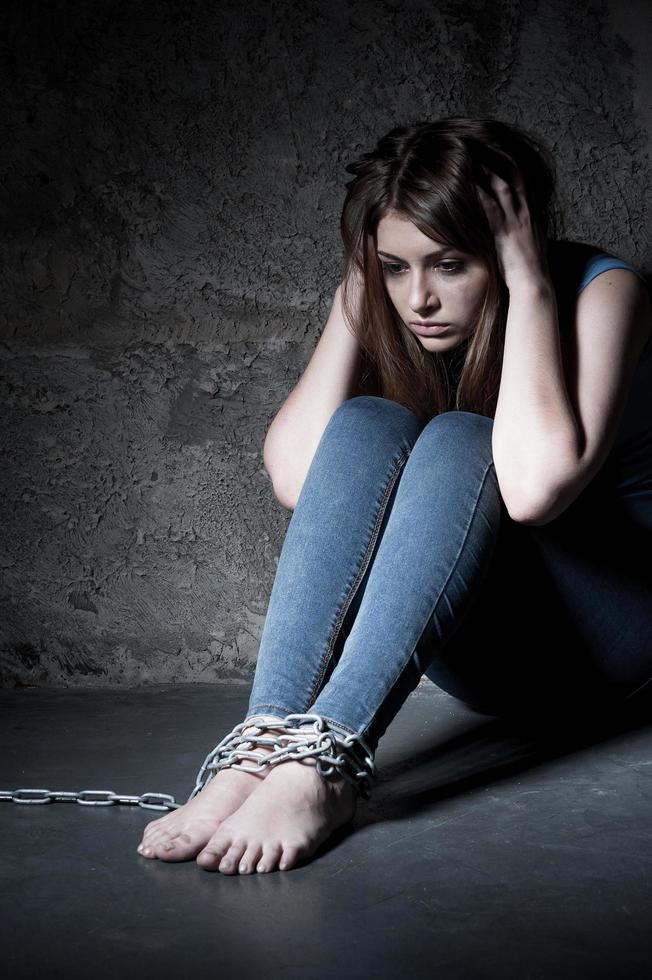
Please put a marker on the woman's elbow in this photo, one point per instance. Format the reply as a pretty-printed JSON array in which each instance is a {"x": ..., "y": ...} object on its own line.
[
  {"x": 286, "y": 497},
  {"x": 284, "y": 491},
  {"x": 534, "y": 511}
]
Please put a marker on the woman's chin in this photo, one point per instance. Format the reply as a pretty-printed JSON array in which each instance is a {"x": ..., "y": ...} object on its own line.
[{"x": 441, "y": 345}]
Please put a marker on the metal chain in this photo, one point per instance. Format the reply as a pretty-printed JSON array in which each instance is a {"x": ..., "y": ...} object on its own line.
[
  {"x": 103, "y": 797},
  {"x": 348, "y": 755},
  {"x": 315, "y": 739}
]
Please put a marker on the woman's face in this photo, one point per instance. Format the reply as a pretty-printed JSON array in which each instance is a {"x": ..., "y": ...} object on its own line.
[{"x": 428, "y": 282}]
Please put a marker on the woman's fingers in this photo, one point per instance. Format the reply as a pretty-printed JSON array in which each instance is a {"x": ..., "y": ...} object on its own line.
[
  {"x": 509, "y": 195},
  {"x": 492, "y": 208}
]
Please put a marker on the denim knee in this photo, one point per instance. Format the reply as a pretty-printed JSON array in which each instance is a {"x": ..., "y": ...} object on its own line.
[
  {"x": 459, "y": 431},
  {"x": 459, "y": 422},
  {"x": 371, "y": 410},
  {"x": 372, "y": 407}
]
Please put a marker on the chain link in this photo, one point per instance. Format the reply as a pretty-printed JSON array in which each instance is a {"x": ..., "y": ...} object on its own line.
[
  {"x": 348, "y": 755},
  {"x": 296, "y": 737},
  {"x": 89, "y": 797}
]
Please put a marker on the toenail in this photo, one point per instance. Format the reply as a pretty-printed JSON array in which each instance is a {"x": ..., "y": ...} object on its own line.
[
  {"x": 261, "y": 867},
  {"x": 147, "y": 852},
  {"x": 243, "y": 867}
]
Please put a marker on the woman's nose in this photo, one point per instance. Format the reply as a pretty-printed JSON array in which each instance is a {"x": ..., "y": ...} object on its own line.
[{"x": 422, "y": 294}]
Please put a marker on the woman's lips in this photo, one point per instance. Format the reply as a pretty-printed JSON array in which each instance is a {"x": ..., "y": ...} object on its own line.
[{"x": 429, "y": 330}]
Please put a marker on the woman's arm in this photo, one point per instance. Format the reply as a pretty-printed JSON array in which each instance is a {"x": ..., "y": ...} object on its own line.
[
  {"x": 329, "y": 379},
  {"x": 556, "y": 431},
  {"x": 535, "y": 439},
  {"x": 557, "y": 417}
]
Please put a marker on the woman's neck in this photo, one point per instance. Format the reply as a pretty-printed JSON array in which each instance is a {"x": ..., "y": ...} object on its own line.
[{"x": 454, "y": 360}]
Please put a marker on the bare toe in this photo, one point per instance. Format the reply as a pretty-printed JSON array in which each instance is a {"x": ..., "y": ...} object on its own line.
[
  {"x": 229, "y": 863},
  {"x": 179, "y": 847},
  {"x": 292, "y": 854},
  {"x": 214, "y": 851},
  {"x": 155, "y": 830},
  {"x": 159, "y": 836},
  {"x": 270, "y": 858},
  {"x": 250, "y": 859}
]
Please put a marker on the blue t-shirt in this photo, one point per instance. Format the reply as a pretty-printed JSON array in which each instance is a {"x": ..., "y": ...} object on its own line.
[{"x": 628, "y": 467}]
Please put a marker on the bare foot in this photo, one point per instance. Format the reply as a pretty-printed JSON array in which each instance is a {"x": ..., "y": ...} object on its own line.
[
  {"x": 182, "y": 833},
  {"x": 283, "y": 822}
]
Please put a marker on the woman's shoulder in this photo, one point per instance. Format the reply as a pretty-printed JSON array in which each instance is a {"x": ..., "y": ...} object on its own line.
[{"x": 573, "y": 265}]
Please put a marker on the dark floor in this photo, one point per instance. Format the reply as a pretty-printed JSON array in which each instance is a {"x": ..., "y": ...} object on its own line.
[{"x": 486, "y": 851}]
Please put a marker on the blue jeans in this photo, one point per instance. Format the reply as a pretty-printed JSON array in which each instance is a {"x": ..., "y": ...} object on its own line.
[{"x": 400, "y": 559}]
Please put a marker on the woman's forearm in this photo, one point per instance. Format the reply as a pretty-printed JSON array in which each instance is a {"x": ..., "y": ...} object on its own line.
[{"x": 535, "y": 436}]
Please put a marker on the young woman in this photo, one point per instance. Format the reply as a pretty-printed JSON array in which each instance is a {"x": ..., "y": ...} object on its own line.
[{"x": 468, "y": 456}]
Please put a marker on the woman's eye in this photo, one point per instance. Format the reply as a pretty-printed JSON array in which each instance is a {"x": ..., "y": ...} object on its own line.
[
  {"x": 448, "y": 267},
  {"x": 393, "y": 268}
]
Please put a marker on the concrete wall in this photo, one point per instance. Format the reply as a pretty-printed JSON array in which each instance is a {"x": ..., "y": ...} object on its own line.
[{"x": 173, "y": 174}]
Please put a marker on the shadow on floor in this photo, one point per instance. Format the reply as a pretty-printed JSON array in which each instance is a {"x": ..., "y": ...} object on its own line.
[{"x": 494, "y": 750}]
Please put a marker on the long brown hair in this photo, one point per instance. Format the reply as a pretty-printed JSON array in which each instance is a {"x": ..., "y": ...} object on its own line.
[{"x": 427, "y": 172}]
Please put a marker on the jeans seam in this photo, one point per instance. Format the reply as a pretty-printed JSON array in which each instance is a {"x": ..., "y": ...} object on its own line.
[
  {"x": 474, "y": 510},
  {"x": 366, "y": 558},
  {"x": 338, "y": 724}
]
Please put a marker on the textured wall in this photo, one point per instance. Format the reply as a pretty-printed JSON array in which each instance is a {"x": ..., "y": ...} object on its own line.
[{"x": 172, "y": 182}]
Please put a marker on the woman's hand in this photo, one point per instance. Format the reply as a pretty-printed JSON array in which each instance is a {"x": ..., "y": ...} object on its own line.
[{"x": 509, "y": 218}]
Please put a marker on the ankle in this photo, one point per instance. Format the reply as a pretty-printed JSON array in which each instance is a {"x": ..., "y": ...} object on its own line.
[{"x": 267, "y": 721}]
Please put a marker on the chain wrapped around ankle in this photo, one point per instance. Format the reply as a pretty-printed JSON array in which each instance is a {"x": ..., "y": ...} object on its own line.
[{"x": 342, "y": 755}]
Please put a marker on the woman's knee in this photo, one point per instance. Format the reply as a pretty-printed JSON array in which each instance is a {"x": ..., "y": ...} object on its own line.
[
  {"x": 366, "y": 413},
  {"x": 461, "y": 422},
  {"x": 458, "y": 432}
]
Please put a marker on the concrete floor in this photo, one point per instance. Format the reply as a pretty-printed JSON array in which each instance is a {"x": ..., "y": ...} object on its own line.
[{"x": 486, "y": 851}]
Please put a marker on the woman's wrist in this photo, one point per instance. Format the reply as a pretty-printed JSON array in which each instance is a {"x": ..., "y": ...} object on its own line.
[{"x": 530, "y": 282}]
